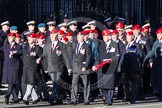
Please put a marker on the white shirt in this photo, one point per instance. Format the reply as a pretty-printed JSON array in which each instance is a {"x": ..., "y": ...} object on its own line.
[
  {"x": 129, "y": 44},
  {"x": 54, "y": 43},
  {"x": 12, "y": 44},
  {"x": 120, "y": 37},
  {"x": 80, "y": 45},
  {"x": 160, "y": 41},
  {"x": 43, "y": 45},
  {"x": 137, "y": 39},
  {"x": 31, "y": 45},
  {"x": 107, "y": 44}
]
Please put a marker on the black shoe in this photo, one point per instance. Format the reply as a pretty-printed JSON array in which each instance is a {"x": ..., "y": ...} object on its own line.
[
  {"x": 2, "y": 86},
  {"x": 126, "y": 100},
  {"x": 74, "y": 103},
  {"x": 58, "y": 102},
  {"x": 92, "y": 100},
  {"x": 26, "y": 102},
  {"x": 119, "y": 98},
  {"x": 109, "y": 104},
  {"x": 51, "y": 102},
  {"x": 70, "y": 102},
  {"x": 20, "y": 99},
  {"x": 35, "y": 102},
  {"x": 15, "y": 102},
  {"x": 45, "y": 99},
  {"x": 104, "y": 102},
  {"x": 86, "y": 103},
  {"x": 7, "y": 101},
  {"x": 132, "y": 102}
]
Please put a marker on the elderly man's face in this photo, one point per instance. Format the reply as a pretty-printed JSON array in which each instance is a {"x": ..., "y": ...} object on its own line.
[
  {"x": 53, "y": 37},
  {"x": 107, "y": 38}
]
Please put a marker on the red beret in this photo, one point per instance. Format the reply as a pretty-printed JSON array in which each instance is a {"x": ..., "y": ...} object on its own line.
[
  {"x": 68, "y": 34},
  {"x": 95, "y": 31},
  {"x": 64, "y": 38},
  {"x": 37, "y": 35},
  {"x": 41, "y": 36},
  {"x": 85, "y": 32},
  {"x": 135, "y": 27},
  {"x": 53, "y": 31},
  {"x": 114, "y": 32},
  {"x": 145, "y": 29},
  {"x": 106, "y": 32},
  {"x": 119, "y": 25},
  {"x": 32, "y": 35},
  {"x": 61, "y": 32},
  {"x": 80, "y": 33},
  {"x": 159, "y": 30},
  {"x": 18, "y": 35},
  {"x": 129, "y": 33},
  {"x": 91, "y": 31},
  {"x": 11, "y": 34}
]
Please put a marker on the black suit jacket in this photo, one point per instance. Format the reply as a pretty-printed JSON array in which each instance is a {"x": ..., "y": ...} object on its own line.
[
  {"x": 83, "y": 58},
  {"x": 112, "y": 53},
  {"x": 131, "y": 60},
  {"x": 53, "y": 60},
  {"x": 29, "y": 60}
]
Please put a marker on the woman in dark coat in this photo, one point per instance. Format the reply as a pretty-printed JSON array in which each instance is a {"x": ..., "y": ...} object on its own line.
[{"x": 11, "y": 66}]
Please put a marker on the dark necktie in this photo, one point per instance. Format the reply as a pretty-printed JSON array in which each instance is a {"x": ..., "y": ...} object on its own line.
[
  {"x": 77, "y": 49},
  {"x": 53, "y": 45}
]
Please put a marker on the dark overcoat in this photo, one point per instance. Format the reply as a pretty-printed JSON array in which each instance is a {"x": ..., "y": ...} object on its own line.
[
  {"x": 11, "y": 65},
  {"x": 30, "y": 55},
  {"x": 106, "y": 74}
]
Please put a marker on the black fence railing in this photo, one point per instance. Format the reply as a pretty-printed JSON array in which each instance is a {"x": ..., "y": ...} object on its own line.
[{"x": 21, "y": 11}]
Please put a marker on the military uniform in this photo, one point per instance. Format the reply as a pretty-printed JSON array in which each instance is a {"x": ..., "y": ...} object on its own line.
[
  {"x": 3, "y": 35},
  {"x": 74, "y": 33}
]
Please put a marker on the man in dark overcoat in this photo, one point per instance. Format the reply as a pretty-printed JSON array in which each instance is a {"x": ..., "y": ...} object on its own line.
[
  {"x": 11, "y": 67},
  {"x": 131, "y": 66},
  {"x": 155, "y": 57},
  {"x": 108, "y": 50},
  {"x": 31, "y": 55}
]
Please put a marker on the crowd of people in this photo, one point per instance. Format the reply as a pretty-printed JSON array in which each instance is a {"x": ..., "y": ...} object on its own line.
[{"x": 127, "y": 59}]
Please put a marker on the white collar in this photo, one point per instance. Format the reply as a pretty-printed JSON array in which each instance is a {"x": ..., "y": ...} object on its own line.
[
  {"x": 31, "y": 45},
  {"x": 12, "y": 44},
  {"x": 55, "y": 42},
  {"x": 43, "y": 45},
  {"x": 160, "y": 41},
  {"x": 108, "y": 43},
  {"x": 131, "y": 43}
]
